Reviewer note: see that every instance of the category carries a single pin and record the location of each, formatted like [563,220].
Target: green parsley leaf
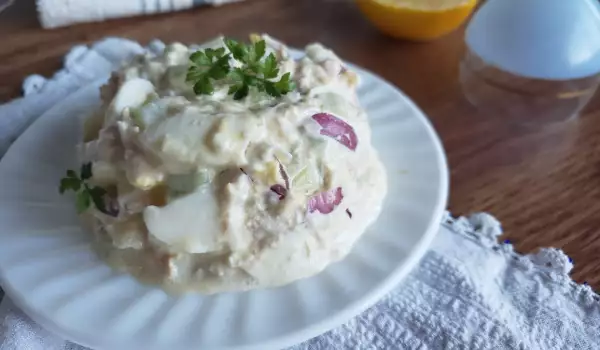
[238,50]
[251,80]
[233,89]
[220,68]
[69,183]
[210,53]
[83,201]
[84,194]
[237,75]
[270,69]
[207,65]
[215,53]
[194,73]
[284,85]
[220,52]
[203,86]
[271,89]
[241,92]
[86,171]
[97,195]
[200,58]
[256,71]
[260,47]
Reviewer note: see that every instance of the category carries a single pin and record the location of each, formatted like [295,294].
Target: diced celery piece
[187,183]
[136,116]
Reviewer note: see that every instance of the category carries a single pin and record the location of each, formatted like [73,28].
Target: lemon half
[417,19]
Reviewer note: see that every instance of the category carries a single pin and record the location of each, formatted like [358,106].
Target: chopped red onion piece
[325,202]
[337,129]
[280,190]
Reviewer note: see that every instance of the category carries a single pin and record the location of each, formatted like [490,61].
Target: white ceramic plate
[48,269]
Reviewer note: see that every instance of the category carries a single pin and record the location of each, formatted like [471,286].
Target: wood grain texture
[543,184]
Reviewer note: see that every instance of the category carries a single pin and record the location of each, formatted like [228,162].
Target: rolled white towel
[57,13]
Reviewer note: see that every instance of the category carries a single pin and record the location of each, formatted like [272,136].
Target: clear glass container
[521,99]
[534,61]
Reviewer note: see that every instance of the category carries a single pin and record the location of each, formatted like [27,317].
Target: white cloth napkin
[57,13]
[469,292]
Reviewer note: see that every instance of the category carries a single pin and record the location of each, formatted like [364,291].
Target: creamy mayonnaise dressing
[214,194]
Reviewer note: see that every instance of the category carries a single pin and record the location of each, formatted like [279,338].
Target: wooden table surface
[542,184]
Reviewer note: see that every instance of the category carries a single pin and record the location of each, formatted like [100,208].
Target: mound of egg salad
[208,193]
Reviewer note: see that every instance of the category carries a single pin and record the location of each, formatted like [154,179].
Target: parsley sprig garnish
[207,65]
[255,71]
[86,194]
